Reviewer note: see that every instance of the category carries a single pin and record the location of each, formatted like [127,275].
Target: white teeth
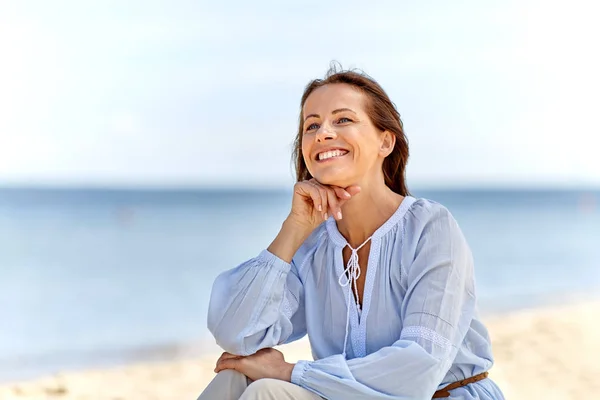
[333,153]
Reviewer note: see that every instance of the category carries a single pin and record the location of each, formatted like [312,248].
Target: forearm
[401,372]
[288,240]
[242,326]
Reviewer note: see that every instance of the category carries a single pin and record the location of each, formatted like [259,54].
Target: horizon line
[281,188]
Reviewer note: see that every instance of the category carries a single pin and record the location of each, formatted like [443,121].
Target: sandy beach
[549,353]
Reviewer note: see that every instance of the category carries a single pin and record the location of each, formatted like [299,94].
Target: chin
[333,180]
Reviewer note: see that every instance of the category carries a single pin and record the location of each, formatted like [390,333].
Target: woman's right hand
[313,202]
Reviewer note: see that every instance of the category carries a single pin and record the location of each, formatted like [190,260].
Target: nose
[325,133]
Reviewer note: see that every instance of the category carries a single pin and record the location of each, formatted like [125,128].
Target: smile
[331,154]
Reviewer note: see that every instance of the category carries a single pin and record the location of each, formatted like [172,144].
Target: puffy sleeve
[436,312]
[256,305]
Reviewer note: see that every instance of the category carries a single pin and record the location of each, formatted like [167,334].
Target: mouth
[330,155]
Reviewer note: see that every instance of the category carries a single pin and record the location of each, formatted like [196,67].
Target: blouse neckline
[340,240]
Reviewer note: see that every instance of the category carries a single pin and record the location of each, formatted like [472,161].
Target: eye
[344,120]
[312,126]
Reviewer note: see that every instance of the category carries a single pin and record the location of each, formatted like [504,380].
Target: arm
[436,314]
[259,304]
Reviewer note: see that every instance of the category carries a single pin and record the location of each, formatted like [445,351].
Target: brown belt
[445,392]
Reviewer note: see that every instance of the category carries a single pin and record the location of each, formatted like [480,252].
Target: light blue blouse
[418,330]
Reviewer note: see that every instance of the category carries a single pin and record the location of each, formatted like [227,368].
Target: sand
[549,353]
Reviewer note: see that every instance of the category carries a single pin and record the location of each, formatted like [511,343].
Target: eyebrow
[336,111]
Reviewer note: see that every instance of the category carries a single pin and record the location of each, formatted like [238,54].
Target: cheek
[304,145]
[306,158]
[367,149]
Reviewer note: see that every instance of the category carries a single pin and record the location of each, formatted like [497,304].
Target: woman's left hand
[265,363]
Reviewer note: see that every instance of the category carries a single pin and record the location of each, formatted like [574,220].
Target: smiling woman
[348,90]
[381,282]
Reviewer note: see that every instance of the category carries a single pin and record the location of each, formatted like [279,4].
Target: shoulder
[434,243]
[428,221]
[423,210]
[424,213]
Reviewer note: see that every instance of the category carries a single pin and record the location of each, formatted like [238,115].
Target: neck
[366,212]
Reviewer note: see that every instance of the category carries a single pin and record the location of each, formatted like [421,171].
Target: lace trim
[396,218]
[427,334]
[287,307]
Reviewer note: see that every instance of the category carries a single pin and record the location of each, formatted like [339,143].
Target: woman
[381,282]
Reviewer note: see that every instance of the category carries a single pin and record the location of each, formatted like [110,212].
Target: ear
[388,141]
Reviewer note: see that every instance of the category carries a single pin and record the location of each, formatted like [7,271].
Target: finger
[324,201]
[320,202]
[226,356]
[307,189]
[347,193]
[322,192]
[334,204]
[353,190]
[230,363]
[341,193]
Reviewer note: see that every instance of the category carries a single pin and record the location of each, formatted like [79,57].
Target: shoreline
[33,367]
[38,367]
[551,346]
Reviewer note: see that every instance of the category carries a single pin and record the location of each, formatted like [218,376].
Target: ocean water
[94,277]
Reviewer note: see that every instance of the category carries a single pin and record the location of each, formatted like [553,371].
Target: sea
[91,278]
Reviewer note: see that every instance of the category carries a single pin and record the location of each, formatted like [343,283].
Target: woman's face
[340,144]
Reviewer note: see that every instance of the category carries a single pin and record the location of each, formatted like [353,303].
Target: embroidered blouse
[418,329]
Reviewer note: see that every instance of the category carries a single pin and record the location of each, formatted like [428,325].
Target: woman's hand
[313,202]
[265,363]
[311,205]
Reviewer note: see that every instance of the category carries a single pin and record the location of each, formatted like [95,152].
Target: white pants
[231,385]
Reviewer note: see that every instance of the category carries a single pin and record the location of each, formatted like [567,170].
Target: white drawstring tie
[351,275]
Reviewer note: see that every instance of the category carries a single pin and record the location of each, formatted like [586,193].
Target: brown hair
[383,114]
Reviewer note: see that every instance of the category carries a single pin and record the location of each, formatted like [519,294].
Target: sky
[196,93]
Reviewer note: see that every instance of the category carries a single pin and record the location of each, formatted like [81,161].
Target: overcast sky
[207,93]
